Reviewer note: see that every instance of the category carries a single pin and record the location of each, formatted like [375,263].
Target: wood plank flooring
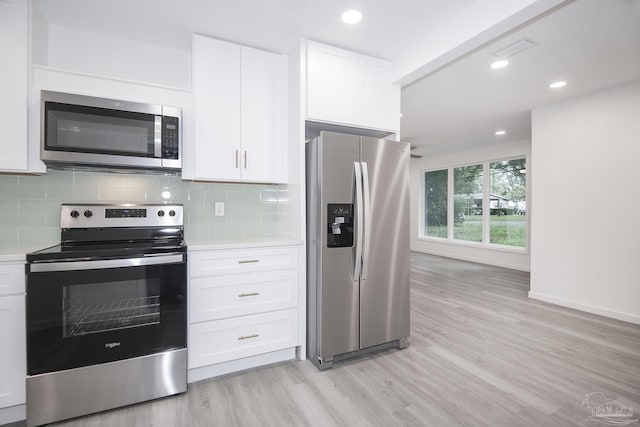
[481,354]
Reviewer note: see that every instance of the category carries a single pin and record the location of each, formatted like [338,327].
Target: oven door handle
[107,263]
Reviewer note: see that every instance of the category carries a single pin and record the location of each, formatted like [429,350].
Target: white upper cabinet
[331,84]
[239,100]
[350,89]
[216,89]
[13,85]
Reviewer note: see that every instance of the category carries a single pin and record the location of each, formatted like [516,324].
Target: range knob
[88,213]
[161,213]
[75,214]
[172,213]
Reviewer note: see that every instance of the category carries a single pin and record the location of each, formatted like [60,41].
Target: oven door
[82,313]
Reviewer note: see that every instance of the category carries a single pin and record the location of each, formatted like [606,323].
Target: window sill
[475,245]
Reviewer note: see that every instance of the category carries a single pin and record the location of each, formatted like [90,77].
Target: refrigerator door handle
[367,220]
[357,269]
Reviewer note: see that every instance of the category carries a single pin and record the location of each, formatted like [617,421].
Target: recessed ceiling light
[499,64]
[351,17]
[501,132]
[556,85]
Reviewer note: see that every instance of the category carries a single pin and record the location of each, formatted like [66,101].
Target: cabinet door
[219,297]
[241,261]
[263,144]
[13,85]
[331,84]
[228,339]
[216,93]
[13,355]
[378,97]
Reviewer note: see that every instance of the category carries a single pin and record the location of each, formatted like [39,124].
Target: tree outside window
[467,199]
[508,206]
[435,203]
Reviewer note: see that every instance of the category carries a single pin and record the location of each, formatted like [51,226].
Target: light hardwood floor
[481,354]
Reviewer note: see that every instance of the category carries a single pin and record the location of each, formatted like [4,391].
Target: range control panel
[126,215]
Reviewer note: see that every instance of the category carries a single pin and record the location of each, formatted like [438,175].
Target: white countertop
[18,254]
[240,243]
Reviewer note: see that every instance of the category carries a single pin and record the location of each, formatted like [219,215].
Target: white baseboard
[13,414]
[601,311]
[476,260]
[206,372]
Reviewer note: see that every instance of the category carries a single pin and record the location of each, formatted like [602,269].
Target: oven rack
[91,318]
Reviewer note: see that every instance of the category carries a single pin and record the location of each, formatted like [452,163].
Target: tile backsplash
[30,205]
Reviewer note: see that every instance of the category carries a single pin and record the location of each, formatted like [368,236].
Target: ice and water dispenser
[339,225]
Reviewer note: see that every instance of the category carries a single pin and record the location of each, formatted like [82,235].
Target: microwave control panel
[170,146]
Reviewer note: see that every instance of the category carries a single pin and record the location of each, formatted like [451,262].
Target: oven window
[109,306]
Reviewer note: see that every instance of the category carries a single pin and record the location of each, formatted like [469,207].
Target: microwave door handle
[157,137]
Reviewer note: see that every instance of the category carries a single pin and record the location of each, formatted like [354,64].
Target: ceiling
[591,44]
[275,25]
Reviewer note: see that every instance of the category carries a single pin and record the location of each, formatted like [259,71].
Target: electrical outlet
[219,208]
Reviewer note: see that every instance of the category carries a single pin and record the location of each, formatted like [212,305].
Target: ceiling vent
[415,156]
[515,48]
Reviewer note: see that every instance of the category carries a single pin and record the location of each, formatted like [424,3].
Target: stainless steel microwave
[83,131]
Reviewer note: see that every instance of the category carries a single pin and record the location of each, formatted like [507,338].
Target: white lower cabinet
[242,303]
[238,337]
[12,335]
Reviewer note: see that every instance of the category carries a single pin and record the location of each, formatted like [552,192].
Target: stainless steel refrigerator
[357,246]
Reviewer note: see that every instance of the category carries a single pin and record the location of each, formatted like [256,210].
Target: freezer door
[338,320]
[384,288]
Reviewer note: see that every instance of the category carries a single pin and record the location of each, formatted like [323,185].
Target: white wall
[516,259]
[585,233]
[115,57]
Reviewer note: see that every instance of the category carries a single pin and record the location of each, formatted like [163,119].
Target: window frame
[486,190]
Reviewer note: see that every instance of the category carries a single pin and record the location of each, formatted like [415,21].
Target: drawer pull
[250,294]
[248,261]
[246,337]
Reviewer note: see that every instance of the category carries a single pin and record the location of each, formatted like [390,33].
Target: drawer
[12,279]
[242,260]
[223,340]
[218,297]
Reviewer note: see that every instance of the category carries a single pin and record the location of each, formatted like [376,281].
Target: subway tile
[17,191]
[72,193]
[8,237]
[266,218]
[226,231]
[45,236]
[6,179]
[97,179]
[9,207]
[121,195]
[139,181]
[52,176]
[261,230]
[196,232]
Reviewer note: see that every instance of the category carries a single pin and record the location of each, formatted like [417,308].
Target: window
[436,203]
[488,200]
[467,203]
[508,203]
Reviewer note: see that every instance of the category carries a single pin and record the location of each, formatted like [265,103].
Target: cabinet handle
[245,159]
[250,294]
[246,337]
[248,261]
[236,159]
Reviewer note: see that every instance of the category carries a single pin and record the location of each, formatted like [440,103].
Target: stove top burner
[102,231]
